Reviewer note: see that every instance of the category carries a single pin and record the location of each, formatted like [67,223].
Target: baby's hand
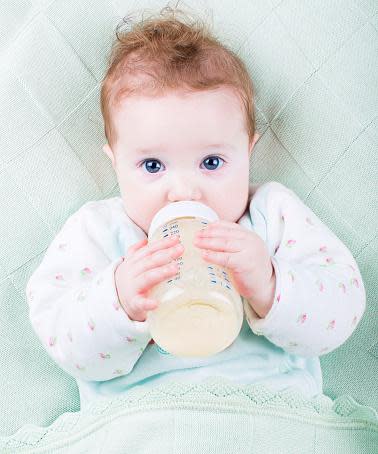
[145,265]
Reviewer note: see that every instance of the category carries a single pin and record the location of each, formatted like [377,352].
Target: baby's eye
[152,167]
[213,159]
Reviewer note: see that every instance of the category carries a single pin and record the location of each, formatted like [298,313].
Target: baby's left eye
[212,161]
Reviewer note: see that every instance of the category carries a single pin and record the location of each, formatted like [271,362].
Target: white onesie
[75,312]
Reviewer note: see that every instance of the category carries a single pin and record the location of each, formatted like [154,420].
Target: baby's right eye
[153,167]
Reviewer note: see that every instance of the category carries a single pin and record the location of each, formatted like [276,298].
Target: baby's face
[182,147]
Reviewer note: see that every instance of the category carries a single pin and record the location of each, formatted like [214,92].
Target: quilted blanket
[215,416]
[314,65]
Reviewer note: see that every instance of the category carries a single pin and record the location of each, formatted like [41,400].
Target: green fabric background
[315,69]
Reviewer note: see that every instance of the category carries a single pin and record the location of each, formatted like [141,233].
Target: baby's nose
[184,193]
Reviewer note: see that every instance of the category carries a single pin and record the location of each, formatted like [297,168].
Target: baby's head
[176,98]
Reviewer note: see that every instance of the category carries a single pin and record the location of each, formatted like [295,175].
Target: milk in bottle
[199,313]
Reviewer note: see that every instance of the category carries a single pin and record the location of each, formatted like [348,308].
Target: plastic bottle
[200,313]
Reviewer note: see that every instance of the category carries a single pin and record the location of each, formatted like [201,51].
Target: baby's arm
[73,302]
[319,297]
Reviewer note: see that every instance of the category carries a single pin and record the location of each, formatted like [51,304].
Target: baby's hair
[161,54]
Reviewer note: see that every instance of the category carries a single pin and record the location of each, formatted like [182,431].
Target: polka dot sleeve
[73,302]
[320,296]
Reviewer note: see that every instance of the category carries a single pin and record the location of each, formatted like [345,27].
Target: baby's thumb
[136,246]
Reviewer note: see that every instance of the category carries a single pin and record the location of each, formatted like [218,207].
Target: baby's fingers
[136,246]
[140,306]
[157,259]
[145,281]
[150,248]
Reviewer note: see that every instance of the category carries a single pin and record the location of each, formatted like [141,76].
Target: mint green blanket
[315,70]
[216,416]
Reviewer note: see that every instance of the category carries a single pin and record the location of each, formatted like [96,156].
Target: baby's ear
[254,140]
[108,151]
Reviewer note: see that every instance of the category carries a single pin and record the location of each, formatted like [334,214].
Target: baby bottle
[199,313]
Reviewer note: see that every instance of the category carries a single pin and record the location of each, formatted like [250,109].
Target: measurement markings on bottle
[222,280]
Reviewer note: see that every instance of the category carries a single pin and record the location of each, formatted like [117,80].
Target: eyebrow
[212,146]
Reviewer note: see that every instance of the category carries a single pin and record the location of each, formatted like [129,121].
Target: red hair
[164,53]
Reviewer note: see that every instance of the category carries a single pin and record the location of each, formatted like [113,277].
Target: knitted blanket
[215,416]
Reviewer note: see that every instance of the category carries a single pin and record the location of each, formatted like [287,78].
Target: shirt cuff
[264,326]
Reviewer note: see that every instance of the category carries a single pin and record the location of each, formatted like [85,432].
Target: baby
[179,119]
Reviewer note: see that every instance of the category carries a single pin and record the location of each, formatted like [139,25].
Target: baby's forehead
[202,117]
[180,97]
[201,108]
